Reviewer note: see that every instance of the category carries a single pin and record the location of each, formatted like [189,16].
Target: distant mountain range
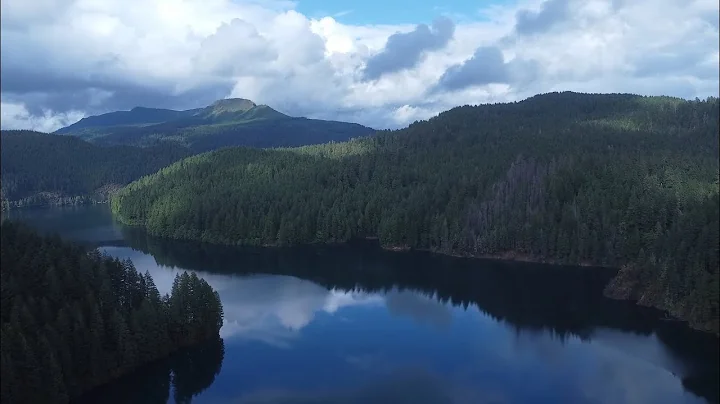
[228,122]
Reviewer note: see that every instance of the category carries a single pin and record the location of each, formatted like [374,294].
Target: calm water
[355,324]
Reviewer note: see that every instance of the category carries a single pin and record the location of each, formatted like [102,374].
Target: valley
[86,161]
[610,199]
[605,179]
[328,202]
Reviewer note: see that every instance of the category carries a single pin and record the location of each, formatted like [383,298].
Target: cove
[356,324]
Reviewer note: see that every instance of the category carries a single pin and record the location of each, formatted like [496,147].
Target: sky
[381,63]
[410,12]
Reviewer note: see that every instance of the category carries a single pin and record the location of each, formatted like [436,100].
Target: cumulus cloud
[63,59]
[484,67]
[487,66]
[550,13]
[235,49]
[404,50]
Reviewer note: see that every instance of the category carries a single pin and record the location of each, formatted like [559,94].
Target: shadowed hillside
[38,168]
[599,179]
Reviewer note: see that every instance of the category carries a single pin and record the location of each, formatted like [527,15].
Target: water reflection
[563,300]
[423,309]
[543,304]
[417,386]
[91,223]
[355,324]
[268,308]
[187,373]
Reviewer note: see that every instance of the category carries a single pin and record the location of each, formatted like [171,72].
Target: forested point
[39,168]
[73,319]
[614,180]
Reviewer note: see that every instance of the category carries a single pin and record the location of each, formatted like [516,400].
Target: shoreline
[617,288]
[508,256]
[15,205]
[48,199]
[610,292]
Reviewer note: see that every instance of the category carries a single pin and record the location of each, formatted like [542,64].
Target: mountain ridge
[151,115]
[224,123]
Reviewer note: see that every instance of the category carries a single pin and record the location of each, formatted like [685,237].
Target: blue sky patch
[371,12]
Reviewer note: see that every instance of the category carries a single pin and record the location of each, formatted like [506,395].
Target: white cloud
[16,116]
[408,113]
[65,58]
[254,50]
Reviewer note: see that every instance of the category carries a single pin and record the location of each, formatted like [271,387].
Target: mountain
[41,168]
[613,180]
[138,116]
[237,110]
[228,122]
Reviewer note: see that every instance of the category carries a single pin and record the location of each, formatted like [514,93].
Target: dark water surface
[355,324]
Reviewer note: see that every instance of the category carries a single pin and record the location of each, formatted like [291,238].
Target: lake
[356,324]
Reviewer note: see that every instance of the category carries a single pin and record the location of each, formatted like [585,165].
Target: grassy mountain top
[595,179]
[232,105]
[236,110]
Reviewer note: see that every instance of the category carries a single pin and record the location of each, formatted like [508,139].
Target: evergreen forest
[613,180]
[73,319]
[39,168]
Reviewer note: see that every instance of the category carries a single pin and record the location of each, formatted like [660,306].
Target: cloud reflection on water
[267,308]
[273,309]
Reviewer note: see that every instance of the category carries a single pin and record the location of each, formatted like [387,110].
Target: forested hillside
[72,320]
[39,168]
[617,180]
[229,122]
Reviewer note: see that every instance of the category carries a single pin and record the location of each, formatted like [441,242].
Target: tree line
[73,319]
[604,179]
